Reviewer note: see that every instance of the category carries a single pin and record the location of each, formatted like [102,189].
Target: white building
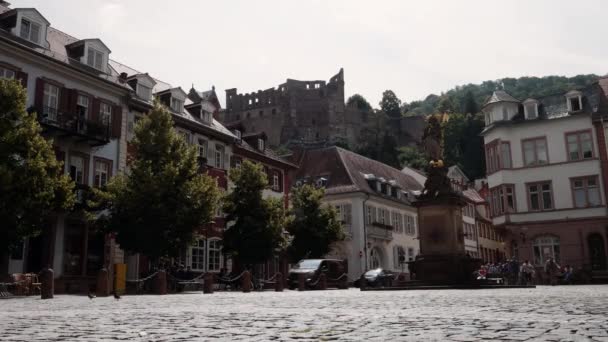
[373,200]
[545,175]
[79,100]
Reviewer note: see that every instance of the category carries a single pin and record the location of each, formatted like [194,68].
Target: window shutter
[116,121]
[39,96]
[64,100]
[280,174]
[226,161]
[72,102]
[95,107]
[22,77]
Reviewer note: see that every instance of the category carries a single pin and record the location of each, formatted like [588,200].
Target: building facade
[546,176]
[80,103]
[373,201]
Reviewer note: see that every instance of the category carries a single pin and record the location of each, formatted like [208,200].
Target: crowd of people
[513,272]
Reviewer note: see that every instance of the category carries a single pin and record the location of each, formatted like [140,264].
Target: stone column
[208,283]
[103,283]
[161,282]
[246,282]
[47,288]
[278,282]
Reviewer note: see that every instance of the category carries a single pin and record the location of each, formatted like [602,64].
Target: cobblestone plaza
[570,313]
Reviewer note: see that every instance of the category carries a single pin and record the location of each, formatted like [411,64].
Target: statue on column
[437,183]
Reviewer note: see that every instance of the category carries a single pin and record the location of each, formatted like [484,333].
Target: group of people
[513,272]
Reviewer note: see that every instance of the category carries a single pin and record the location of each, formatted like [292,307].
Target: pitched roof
[268,153]
[473,196]
[345,171]
[500,96]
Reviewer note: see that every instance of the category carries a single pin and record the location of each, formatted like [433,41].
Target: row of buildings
[544,195]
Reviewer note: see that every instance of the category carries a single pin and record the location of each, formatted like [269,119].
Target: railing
[380,233]
[72,123]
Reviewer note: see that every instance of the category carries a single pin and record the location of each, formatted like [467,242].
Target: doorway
[597,252]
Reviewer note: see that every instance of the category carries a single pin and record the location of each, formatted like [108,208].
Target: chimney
[123,77]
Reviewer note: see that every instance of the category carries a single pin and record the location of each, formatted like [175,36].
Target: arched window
[545,247]
[197,255]
[215,255]
[375,258]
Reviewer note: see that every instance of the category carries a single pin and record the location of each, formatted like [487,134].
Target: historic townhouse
[547,177]
[80,101]
[374,203]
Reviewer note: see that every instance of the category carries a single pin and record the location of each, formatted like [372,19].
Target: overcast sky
[412,47]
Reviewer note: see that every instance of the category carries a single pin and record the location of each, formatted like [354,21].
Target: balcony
[380,231]
[60,124]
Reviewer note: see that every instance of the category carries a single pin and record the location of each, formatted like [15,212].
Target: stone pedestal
[442,259]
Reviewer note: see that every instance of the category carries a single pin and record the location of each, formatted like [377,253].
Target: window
[400,257]
[397,220]
[574,104]
[50,101]
[177,105]
[144,92]
[206,116]
[276,185]
[95,59]
[30,31]
[77,169]
[215,253]
[105,113]
[540,196]
[502,200]
[411,254]
[6,73]
[382,216]
[102,173]
[531,110]
[197,252]
[505,155]
[580,145]
[202,148]
[410,225]
[546,247]
[261,144]
[219,156]
[371,214]
[535,151]
[186,136]
[344,213]
[82,107]
[586,192]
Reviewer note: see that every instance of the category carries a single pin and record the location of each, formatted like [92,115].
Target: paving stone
[569,313]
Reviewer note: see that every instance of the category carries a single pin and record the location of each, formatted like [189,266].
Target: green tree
[314,226]
[469,104]
[464,145]
[390,104]
[32,183]
[411,156]
[445,105]
[359,102]
[161,203]
[256,224]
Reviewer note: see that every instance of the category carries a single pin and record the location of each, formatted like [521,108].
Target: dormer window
[30,31]
[261,144]
[238,134]
[177,105]
[531,109]
[205,116]
[143,92]
[95,59]
[574,101]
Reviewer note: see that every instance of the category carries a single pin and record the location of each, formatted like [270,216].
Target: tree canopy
[390,104]
[161,204]
[255,231]
[314,226]
[32,181]
[359,102]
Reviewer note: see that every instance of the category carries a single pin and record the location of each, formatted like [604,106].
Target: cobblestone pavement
[571,313]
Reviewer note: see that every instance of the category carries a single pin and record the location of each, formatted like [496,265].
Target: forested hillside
[458,99]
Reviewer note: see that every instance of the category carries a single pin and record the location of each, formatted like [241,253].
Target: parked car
[334,271]
[378,277]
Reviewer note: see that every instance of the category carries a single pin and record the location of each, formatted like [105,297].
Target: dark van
[335,270]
